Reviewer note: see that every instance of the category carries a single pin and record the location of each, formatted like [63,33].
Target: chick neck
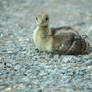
[43,27]
[44,31]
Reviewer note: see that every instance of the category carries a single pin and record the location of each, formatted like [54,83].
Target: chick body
[63,40]
[42,40]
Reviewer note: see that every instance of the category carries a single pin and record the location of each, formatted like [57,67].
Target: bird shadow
[90,50]
[52,54]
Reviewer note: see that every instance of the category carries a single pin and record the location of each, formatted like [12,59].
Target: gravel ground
[22,67]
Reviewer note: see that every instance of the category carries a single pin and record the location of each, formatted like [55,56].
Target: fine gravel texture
[22,67]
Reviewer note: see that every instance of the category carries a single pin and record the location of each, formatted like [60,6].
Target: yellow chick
[62,40]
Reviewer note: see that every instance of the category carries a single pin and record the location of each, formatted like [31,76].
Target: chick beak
[41,21]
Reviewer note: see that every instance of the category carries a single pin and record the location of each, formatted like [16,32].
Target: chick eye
[36,18]
[46,18]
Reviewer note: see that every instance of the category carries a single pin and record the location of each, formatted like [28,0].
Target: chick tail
[85,46]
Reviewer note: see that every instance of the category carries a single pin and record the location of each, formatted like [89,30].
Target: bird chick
[61,40]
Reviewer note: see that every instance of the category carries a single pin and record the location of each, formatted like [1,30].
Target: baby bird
[62,40]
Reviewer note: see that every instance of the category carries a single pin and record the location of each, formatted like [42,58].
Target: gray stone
[67,59]
[17,67]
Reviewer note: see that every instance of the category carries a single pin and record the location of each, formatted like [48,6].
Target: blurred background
[22,68]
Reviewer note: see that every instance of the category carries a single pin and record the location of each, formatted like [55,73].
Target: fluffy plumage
[61,40]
